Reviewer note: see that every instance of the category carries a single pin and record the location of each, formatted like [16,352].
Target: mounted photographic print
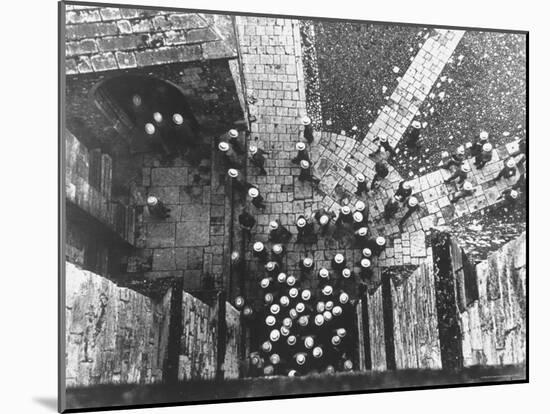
[258,206]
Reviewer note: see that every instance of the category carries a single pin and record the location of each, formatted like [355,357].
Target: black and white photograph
[260,206]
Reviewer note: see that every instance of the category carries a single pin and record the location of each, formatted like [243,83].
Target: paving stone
[193,233]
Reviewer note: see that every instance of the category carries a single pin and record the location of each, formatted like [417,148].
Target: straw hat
[327,290]
[306,294]
[365,263]
[468,186]
[284,301]
[291,281]
[270,320]
[266,346]
[253,149]
[306,120]
[309,342]
[307,262]
[329,305]
[348,365]
[300,307]
[323,273]
[258,246]
[380,241]
[383,139]
[275,359]
[346,273]
[239,301]
[319,320]
[136,100]
[274,335]
[407,185]
[300,359]
[223,146]
[253,192]
[269,266]
[268,298]
[366,252]
[301,222]
[233,173]
[460,150]
[465,168]
[247,311]
[300,146]
[157,116]
[273,225]
[324,220]
[483,135]
[304,164]
[336,340]
[511,163]
[291,340]
[235,256]
[514,194]
[360,177]
[341,332]
[275,309]
[150,128]
[152,201]
[413,202]
[345,210]
[357,217]
[339,258]
[320,307]
[337,311]
[343,298]
[303,320]
[360,206]
[177,119]
[287,322]
[285,331]
[277,248]
[362,231]
[487,147]
[293,313]
[416,124]
[293,293]
[317,352]
[233,133]
[281,277]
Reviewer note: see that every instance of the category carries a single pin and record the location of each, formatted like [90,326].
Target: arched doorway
[151,113]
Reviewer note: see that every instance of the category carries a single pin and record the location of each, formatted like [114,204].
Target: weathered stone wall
[113,335]
[416,335]
[108,38]
[494,326]
[233,342]
[198,351]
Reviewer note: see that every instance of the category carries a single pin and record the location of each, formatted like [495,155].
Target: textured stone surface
[114,335]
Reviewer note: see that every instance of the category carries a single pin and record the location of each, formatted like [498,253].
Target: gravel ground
[482,88]
[358,69]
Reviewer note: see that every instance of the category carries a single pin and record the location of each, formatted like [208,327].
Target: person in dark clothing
[508,171]
[230,156]
[460,174]
[412,136]
[257,158]
[362,187]
[404,191]
[345,216]
[391,208]
[466,191]
[510,197]
[301,155]
[278,233]
[381,172]
[413,206]
[382,144]
[232,137]
[323,218]
[477,146]
[306,265]
[185,136]
[456,159]
[308,129]
[237,180]
[305,172]
[257,199]
[157,208]
[521,183]
[305,229]
[259,251]
[361,236]
[484,156]
[376,245]
[246,221]
[365,269]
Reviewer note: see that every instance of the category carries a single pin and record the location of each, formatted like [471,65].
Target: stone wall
[113,335]
[233,342]
[108,38]
[494,326]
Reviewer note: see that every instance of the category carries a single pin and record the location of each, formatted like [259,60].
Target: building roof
[108,38]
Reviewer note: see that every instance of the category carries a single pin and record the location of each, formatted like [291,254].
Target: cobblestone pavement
[273,79]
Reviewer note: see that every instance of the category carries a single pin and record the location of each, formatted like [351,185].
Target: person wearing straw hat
[278,233]
[246,221]
[461,174]
[510,197]
[412,136]
[157,208]
[308,129]
[381,170]
[365,269]
[305,230]
[477,146]
[237,262]
[508,171]
[302,153]
[257,158]
[404,191]
[345,216]
[412,206]
[306,265]
[456,159]
[377,245]
[323,218]
[338,262]
[466,191]
[259,251]
[358,220]
[391,207]
[305,172]
[256,197]
[382,144]
[186,137]
[278,251]
[230,156]
[232,137]
[237,180]
[362,187]
[361,207]
[361,235]
[484,156]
